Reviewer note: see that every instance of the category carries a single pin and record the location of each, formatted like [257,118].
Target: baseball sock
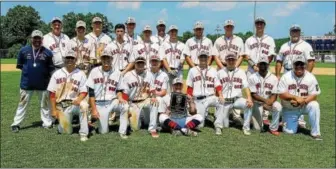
[172,124]
[193,123]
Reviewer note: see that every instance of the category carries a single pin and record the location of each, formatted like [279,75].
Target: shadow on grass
[33,125]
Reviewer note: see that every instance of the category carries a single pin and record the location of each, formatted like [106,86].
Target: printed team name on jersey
[225,47]
[83,49]
[198,78]
[143,50]
[235,79]
[170,50]
[262,45]
[294,87]
[54,46]
[111,82]
[73,81]
[116,51]
[135,84]
[294,52]
[196,46]
[267,85]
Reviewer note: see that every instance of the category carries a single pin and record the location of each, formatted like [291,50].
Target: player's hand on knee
[300,101]
[294,103]
[76,102]
[269,102]
[54,114]
[95,114]
[154,101]
[249,103]
[221,99]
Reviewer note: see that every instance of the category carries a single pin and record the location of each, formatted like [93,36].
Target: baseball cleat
[123,136]
[47,127]
[246,132]
[15,129]
[276,133]
[83,138]
[154,134]
[317,138]
[218,131]
[193,133]
[176,133]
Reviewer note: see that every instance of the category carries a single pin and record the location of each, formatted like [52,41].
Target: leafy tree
[14,50]
[280,42]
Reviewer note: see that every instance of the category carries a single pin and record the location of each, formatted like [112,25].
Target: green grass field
[37,147]
[319,65]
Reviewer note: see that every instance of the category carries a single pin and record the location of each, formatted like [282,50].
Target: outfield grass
[319,65]
[37,147]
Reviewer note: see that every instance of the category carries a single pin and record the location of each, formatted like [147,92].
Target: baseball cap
[56,19]
[228,22]
[161,22]
[295,27]
[140,59]
[80,23]
[177,80]
[97,19]
[172,27]
[300,58]
[198,24]
[147,28]
[260,19]
[106,53]
[263,60]
[70,53]
[130,20]
[37,33]
[203,53]
[155,57]
[230,55]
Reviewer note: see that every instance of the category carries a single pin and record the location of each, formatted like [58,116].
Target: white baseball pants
[144,109]
[25,96]
[222,118]
[257,115]
[65,116]
[105,108]
[291,116]
[203,104]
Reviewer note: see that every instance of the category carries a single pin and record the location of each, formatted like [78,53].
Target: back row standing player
[161,33]
[130,36]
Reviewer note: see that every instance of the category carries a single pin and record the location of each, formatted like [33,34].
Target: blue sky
[315,18]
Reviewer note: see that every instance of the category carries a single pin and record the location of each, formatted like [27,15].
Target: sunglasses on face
[69,58]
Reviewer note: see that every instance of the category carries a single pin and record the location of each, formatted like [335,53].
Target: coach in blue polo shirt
[36,64]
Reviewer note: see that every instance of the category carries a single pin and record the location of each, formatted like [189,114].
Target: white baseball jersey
[104,84]
[58,46]
[122,54]
[263,87]
[133,41]
[195,46]
[174,53]
[67,86]
[133,84]
[256,47]
[203,81]
[224,45]
[146,50]
[159,40]
[158,81]
[99,44]
[82,49]
[289,51]
[302,87]
[232,82]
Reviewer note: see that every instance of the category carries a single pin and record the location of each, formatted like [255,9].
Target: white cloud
[126,5]
[62,2]
[163,14]
[288,9]
[214,6]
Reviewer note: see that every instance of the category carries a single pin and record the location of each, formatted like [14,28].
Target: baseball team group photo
[82,86]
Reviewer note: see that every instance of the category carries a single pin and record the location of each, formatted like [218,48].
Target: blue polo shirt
[35,77]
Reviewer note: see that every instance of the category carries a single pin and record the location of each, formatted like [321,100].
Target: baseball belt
[137,101]
[202,97]
[230,100]
[173,68]
[64,103]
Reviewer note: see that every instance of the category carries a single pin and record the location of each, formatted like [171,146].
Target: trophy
[178,105]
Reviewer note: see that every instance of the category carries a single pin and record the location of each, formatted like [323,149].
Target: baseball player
[202,82]
[130,37]
[173,54]
[82,47]
[121,51]
[289,51]
[67,92]
[298,90]
[258,45]
[36,64]
[157,79]
[99,40]
[197,44]
[106,96]
[233,81]
[147,47]
[263,86]
[56,41]
[190,122]
[226,44]
[161,33]
[142,103]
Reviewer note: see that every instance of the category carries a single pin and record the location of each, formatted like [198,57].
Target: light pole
[254,17]
[217,30]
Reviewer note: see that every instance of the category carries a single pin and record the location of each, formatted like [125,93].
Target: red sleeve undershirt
[190,91]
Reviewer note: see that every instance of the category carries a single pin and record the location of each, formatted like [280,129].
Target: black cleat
[15,129]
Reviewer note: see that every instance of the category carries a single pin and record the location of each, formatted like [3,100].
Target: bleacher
[323,46]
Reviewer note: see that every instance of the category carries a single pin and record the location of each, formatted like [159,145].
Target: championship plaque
[178,105]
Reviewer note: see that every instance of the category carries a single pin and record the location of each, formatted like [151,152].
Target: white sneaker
[123,136]
[218,131]
[83,138]
[246,132]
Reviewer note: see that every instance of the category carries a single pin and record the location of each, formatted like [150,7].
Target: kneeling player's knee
[163,117]
[198,117]
[277,106]
[313,105]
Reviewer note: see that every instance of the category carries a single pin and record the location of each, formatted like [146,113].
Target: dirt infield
[316,71]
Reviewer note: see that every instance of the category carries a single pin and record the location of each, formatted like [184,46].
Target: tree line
[17,25]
